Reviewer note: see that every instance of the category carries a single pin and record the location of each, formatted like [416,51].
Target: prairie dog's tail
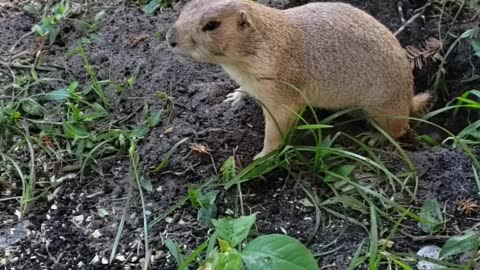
[421,103]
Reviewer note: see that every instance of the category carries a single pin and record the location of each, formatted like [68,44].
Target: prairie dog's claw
[235,96]
[371,138]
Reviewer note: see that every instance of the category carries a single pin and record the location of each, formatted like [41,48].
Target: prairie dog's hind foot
[236,96]
[372,138]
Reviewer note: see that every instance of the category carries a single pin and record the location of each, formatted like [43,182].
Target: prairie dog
[329,55]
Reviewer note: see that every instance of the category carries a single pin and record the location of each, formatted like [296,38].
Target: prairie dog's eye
[210,26]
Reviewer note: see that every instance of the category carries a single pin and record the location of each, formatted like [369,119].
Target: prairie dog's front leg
[278,119]
[236,96]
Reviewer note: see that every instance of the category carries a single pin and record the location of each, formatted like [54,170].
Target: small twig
[127,117]
[77,166]
[37,55]
[146,263]
[400,11]
[16,65]
[419,12]
[18,41]
[20,54]
[424,238]
[407,23]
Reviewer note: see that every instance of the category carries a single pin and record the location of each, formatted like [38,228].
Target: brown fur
[330,55]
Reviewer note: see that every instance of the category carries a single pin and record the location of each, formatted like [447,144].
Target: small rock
[120,258]
[305,202]
[102,212]
[95,259]
[78,219]
[96,234]
[104,260]
[432,252]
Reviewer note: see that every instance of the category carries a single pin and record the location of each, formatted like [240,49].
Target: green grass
[73,126]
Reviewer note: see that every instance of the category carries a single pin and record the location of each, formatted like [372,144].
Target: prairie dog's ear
[244,20]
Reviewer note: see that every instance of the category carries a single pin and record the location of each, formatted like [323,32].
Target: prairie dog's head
[213,31]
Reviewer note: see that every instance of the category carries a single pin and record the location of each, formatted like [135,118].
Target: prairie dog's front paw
[235,96]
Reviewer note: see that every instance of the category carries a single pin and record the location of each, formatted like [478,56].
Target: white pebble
[432,252]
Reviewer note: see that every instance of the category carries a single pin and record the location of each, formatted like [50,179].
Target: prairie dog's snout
[336,55]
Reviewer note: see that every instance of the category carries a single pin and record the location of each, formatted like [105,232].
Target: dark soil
[63,233]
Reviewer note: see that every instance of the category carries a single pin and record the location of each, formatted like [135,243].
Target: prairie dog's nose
[172,37]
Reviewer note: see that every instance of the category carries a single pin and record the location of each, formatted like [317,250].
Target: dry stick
[16,65]
[37,55]
[400,11]
[423,238]
[18,41]
[77,166]
[407,23]
[146,263]
[15,56]
[430,237]
[419,13]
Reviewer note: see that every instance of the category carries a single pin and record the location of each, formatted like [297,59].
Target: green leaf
[460,244]
[432,213]
[146,184]
[476,47]
[175,251]
[207,199]
[373,250]
[151,7]
[31,107]
[75,131]
[73,86]
[278,252]
[427,139]
[313,126]
[471,130]
[205,215]
[140,131]
[58,95]
[16,115]
[343,171]
[33,8]
[76,115]
[193,256]
[228,169]
[193,194]
[234,230]
[52,34]
[231,260]
[154,118]
[206,204]
[38,30]
[200,199]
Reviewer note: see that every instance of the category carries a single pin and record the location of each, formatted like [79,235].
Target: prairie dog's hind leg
[393,119]
[278,119]
[236,96]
